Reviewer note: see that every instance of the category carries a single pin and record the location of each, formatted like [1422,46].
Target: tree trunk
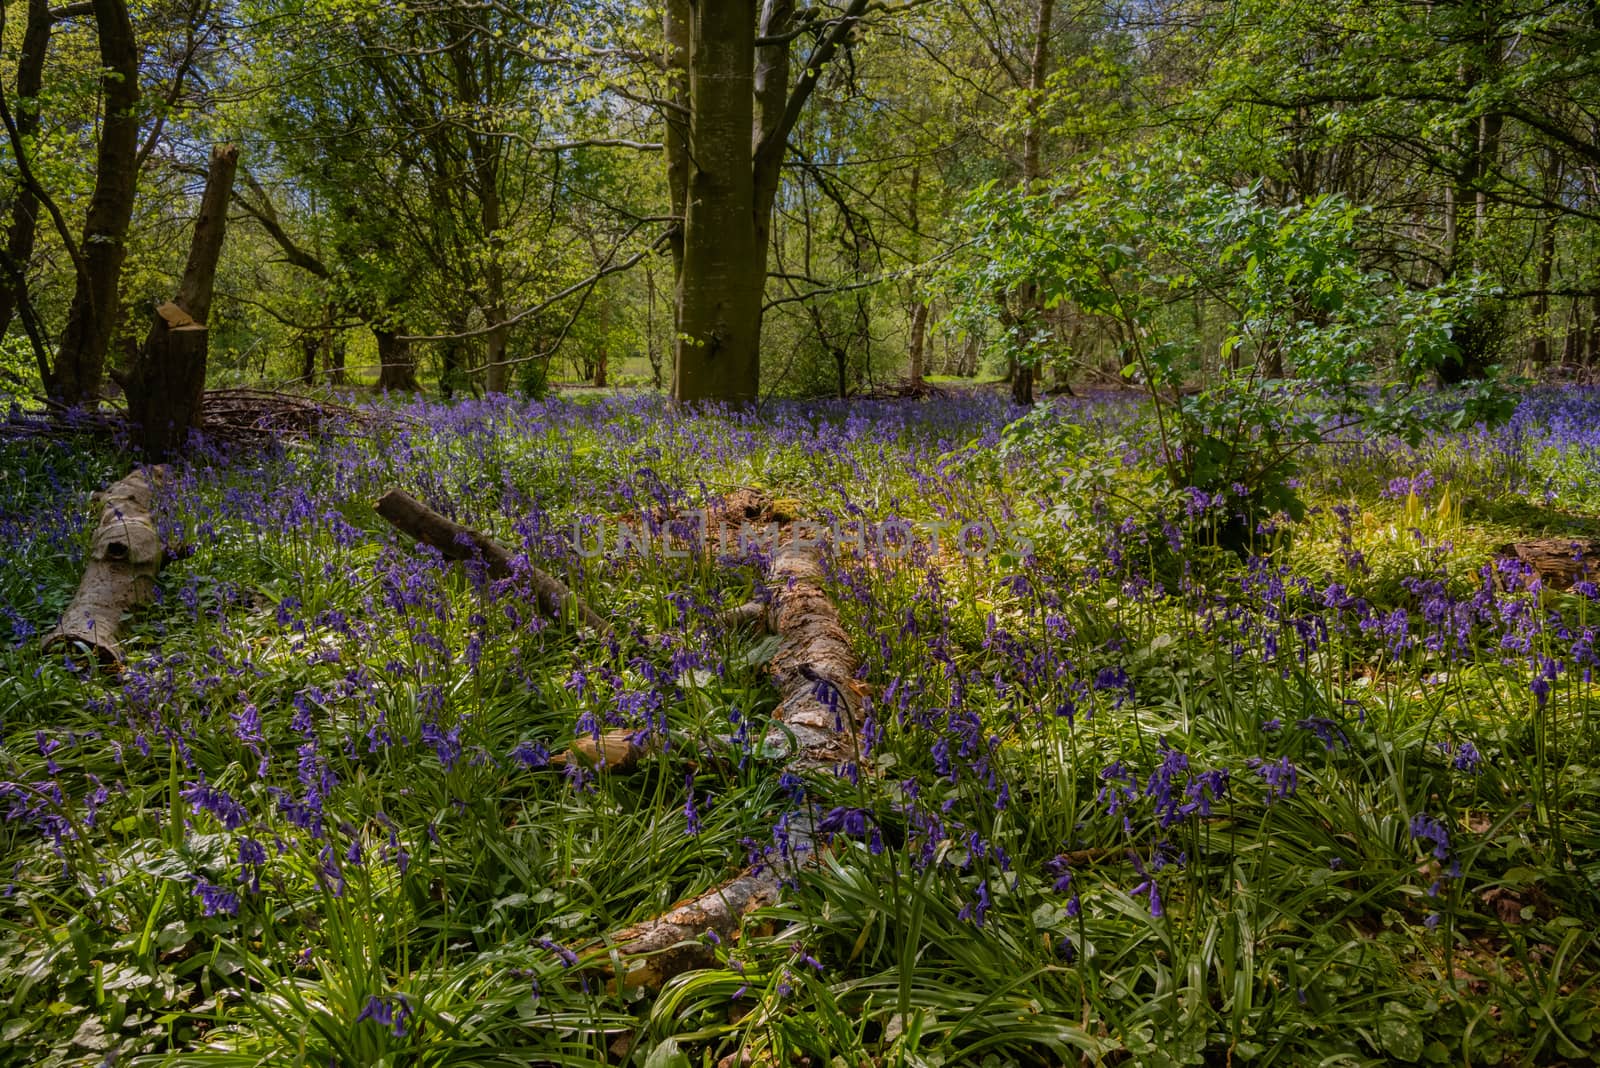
[1028,299]
[397,366]
[310,345]
[335,366]
[652,347]
[919,333]
[168,379]
[968,365]
[120,573]
[675,59]
[602,356]
[734,169]
[1541,303]
[724,270]
[81,356]
[25,206]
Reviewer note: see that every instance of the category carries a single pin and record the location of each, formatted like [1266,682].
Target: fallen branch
[815,723]
[410,516]
[120,572]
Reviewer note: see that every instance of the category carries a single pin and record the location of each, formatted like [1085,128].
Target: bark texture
[815,724]
[120,573]
[741,110]
[724,270]
[81,357]
[167,383]
[456,542]
[397,365]
[1031,311]
[1559,562]
[25,207]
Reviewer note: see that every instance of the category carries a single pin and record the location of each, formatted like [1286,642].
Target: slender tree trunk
[1541,303]
[919,334]
[602,358]
[968,365]
[310,345]
[919,308]
[498,377]
[25,206]
[81,356]
[335,367]
[397,367]
[167,383]
[652,347]
[1594,332]
[1028,299]
[675,58]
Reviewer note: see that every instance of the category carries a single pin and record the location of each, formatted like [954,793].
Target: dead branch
[410,516]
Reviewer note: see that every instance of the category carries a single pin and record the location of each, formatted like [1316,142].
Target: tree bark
[735,166]
[675,140]
[1541,303]
[397,366]
[120,573]
[25,207]
[919,334]
[81,356]
[168,379]
[335,366]
[1028,298]
[724,270]
[815,723]
[310,345]
[456,542]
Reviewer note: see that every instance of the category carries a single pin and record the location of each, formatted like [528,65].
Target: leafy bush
[1313,344]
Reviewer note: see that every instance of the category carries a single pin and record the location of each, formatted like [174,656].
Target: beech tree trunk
[733,162]
[168,379]
[81,356]
[397,365]
[724,271]
[120,573]
[919,334]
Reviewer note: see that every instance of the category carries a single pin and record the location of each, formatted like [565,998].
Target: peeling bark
[120,573]
[815,723]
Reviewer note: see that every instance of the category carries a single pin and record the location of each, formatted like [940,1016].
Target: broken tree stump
[456,542]
[166,385]
[120,572]
[815,725]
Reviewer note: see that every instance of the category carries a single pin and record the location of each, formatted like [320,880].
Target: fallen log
[120,572]
[456,542]
[1559,562]
[815,725]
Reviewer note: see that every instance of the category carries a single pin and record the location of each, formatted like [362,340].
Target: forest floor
[1118,794]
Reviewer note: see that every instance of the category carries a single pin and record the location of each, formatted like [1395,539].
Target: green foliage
[1313,345]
